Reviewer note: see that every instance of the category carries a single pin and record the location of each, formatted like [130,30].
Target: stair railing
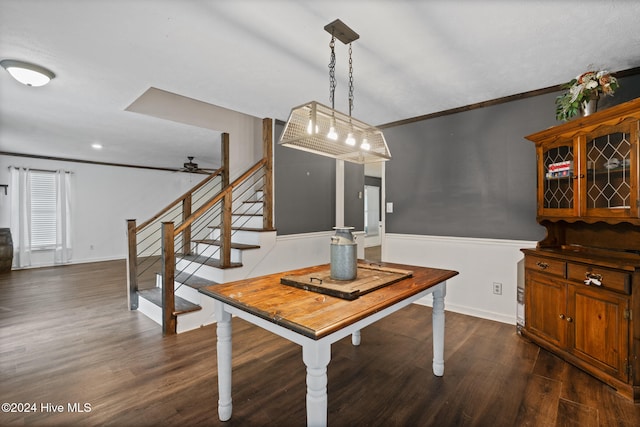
[255,185]
[145,240]
[225,195]
[216,213]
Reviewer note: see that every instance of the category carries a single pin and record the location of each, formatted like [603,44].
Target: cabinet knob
[569,319]
[542,265]
[562,316]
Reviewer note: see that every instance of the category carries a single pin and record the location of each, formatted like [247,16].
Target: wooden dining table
[315,320]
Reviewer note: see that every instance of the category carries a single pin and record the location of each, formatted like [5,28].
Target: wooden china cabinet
[582,281]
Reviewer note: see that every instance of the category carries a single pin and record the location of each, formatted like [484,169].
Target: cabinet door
[545,304]
[557,184]
[610,187]
[598,329]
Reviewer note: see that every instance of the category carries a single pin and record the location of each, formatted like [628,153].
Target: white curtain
[63,217]
[20,216]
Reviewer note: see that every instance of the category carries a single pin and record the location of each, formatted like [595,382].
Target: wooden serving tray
[369,278]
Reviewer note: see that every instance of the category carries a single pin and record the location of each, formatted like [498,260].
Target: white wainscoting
[300,250]
[480,262]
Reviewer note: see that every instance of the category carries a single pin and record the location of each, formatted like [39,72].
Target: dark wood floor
[66,337]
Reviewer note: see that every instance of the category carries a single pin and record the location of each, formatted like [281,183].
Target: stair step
[252,205]
[247,214]
[211,262]
[258,230]
[193,281]
[233,244]
[154,295]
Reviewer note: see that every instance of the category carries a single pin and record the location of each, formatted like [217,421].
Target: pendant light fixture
[26,73]
[323,130]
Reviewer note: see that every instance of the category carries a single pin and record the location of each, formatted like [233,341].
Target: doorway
[372,223]
[373,214]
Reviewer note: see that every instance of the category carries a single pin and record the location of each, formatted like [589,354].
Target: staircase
[217,232]
[203,268]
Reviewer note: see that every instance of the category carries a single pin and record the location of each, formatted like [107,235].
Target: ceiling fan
[192,167]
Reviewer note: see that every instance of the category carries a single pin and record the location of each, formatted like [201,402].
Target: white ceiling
[264,57]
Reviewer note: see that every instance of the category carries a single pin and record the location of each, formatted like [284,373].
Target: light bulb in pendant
[332,134]
[365,145]
[310,127]
[350,139]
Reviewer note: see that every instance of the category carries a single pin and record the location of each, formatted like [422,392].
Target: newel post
[168,274]
[132,266]
[225,237]
[224,154]
[186,234]
[267,150]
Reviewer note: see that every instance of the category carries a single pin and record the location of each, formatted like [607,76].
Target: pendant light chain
[332,72]
[350,81]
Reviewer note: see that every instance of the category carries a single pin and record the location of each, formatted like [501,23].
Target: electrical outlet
[497,288]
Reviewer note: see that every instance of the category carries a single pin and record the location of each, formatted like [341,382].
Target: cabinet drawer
[610,279]
[547,265]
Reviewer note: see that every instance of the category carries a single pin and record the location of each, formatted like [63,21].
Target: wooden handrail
[180,199]
[205,207]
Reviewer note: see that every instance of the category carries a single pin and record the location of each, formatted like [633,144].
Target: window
[40,208]
[43,209]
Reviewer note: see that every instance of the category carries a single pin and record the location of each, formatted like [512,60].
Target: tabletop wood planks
[314,314]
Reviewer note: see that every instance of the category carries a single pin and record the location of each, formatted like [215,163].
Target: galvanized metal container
[344,254]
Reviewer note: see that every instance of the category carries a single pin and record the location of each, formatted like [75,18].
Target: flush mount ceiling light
[27,73]
[320,129]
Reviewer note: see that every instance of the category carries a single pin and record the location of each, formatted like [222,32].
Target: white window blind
[43,209]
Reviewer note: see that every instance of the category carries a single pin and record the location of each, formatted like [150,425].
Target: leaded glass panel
[608,174]
[558,182]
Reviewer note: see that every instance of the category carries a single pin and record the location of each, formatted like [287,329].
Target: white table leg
[355,337]
[438,329]
[316,356]
[224,361]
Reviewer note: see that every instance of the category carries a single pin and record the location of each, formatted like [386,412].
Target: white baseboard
[474,312]
[72,262]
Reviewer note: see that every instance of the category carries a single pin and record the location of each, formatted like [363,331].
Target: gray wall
[305,191]
[469,174]
[473,174]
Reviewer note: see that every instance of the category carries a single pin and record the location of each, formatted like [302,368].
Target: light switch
[389,207]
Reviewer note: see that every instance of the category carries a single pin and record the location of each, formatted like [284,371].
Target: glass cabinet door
[557,192]
[608,160]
